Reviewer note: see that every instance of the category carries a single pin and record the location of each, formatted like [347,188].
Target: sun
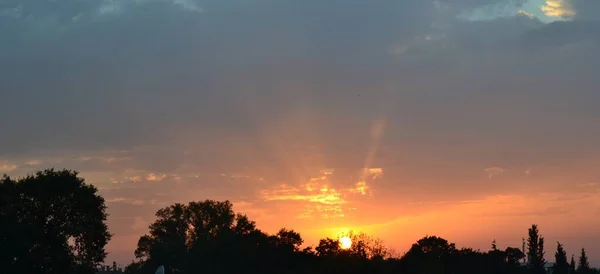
[345,242]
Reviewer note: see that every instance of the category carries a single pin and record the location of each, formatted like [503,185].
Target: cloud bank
[405,102]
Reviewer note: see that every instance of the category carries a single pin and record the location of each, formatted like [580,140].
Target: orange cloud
[134,179]
[125,201]
[34,162]
[361,186]
[324,199]
[7,167]
[156,177]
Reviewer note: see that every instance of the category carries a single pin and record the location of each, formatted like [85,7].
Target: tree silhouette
[328,247]
[514,255]
[561,265]
[583,267]
[209,236]
[430,254]
[52,222]
[535,254]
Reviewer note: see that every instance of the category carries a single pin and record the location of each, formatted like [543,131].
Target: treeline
[53,222]
[209,237]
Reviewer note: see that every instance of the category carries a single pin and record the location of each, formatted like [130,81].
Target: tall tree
[54,223]
[561,265]
[209,237]
[583,267]
[535,253]
[572,264]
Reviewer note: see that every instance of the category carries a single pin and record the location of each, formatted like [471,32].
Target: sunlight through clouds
[309,127]
[558,8]
[323,198]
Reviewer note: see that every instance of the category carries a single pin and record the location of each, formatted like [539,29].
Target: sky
[466,119]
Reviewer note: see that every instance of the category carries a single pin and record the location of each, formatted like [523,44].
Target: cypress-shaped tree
[535,254]
[561,265]
[584,265]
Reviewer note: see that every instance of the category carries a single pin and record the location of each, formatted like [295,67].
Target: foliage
[583,267]
[561,265]
[52,222]
[535,254]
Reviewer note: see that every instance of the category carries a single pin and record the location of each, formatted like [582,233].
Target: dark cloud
[586,9]
[158,75]
[159,102]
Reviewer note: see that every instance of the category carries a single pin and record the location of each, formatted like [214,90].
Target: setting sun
[345,242]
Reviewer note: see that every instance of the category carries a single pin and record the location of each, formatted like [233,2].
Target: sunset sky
[467,119]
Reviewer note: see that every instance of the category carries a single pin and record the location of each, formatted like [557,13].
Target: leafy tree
[52,222]
[513,256]
[583,266]
[535,254]
[208,236]
[430,254]
[561,265]
[328,247]
[287,239]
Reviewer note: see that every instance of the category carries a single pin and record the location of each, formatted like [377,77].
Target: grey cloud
[241,83]
[586,9]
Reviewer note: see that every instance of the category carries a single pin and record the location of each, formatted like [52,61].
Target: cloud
[134,179]
[155,177]
[124,200]
[7,167]
[588,185]
[106,159]
[586,9]
[572,9]
[321,196]
[494,171]
[361,186]
[558,8]
[34,162]
[525,13]
[272,93]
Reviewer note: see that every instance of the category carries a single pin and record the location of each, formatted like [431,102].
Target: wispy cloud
[361,186]
[34,162]
[325,200]
[155,177]
[323,195]
[525,13]
[7,167]
[494,171]
[124,200]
